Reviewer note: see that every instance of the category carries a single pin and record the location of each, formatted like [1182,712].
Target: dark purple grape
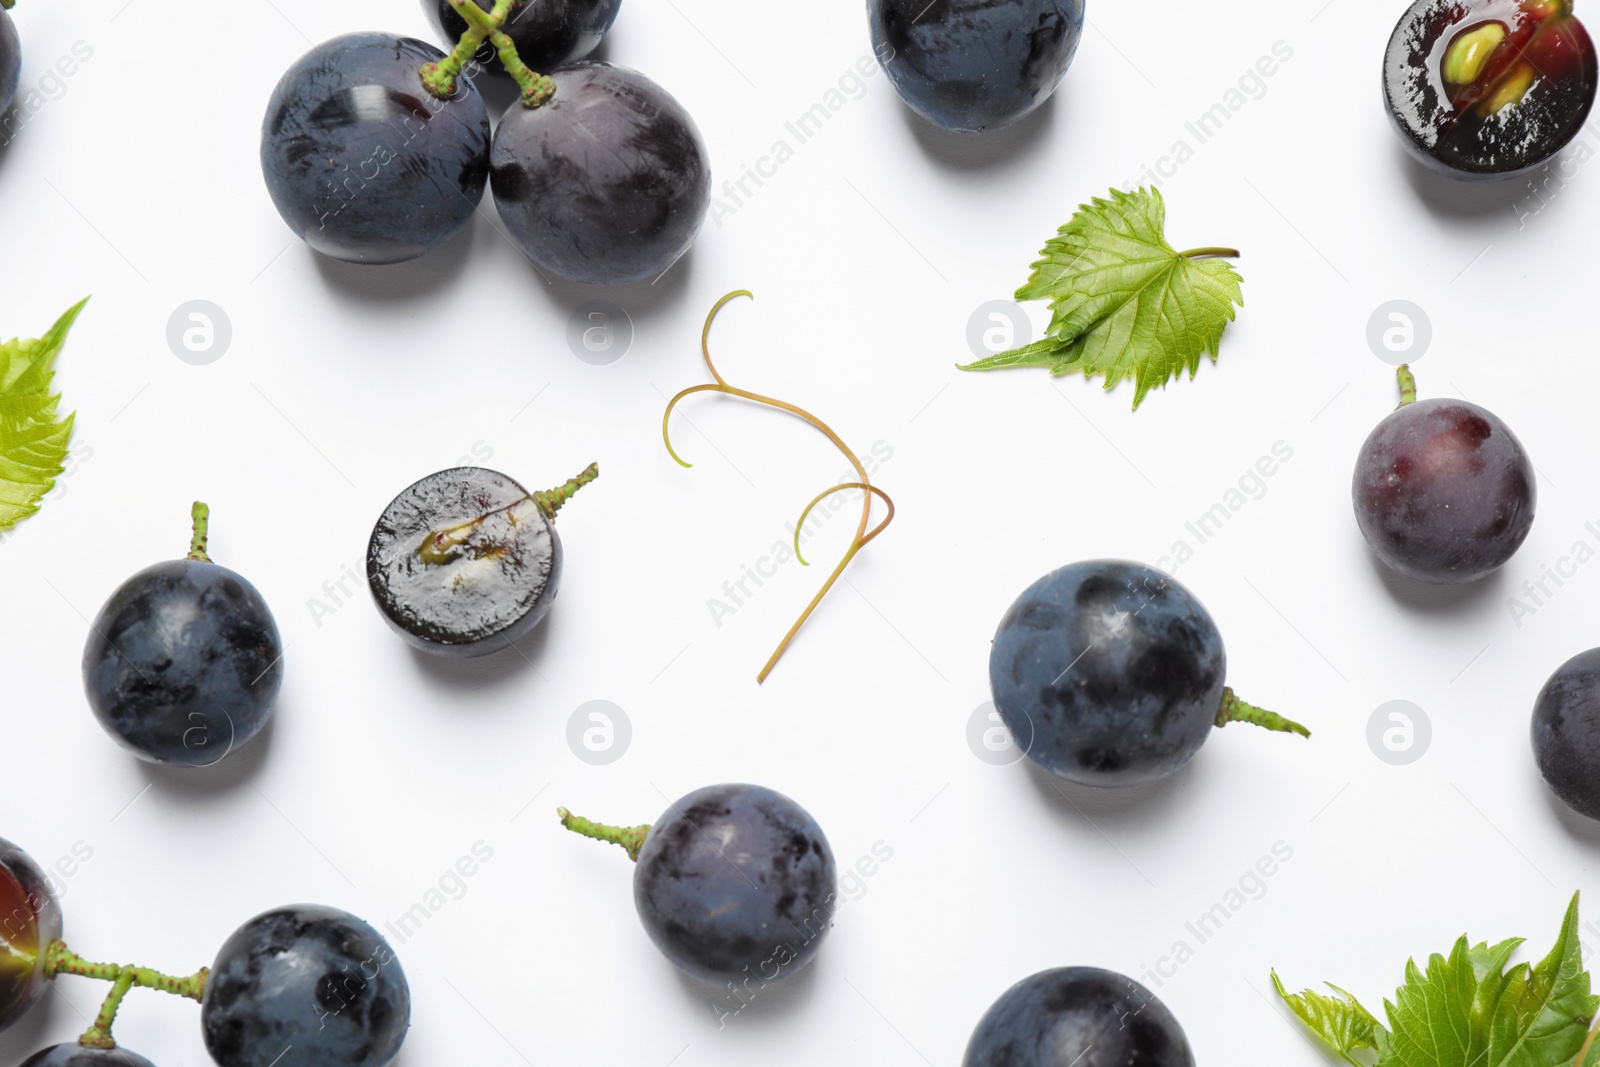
[1078,1017]
[10,60]
[1566,732]
[607,183]
[30,918]
[363,163]
[975,65]
[735,881]
[1443,491]
[547,33]
[78,1056]
[305,986]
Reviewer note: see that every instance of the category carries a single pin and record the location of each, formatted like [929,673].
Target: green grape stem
[201,516]
[123,977]
[441,546]
[439,78]
[1210,253]
[1235,710]
[550,500]
[628,838]
[1408,384]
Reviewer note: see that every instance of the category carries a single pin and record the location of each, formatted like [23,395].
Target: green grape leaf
[1468,1010]
[1124,302]
[33,441]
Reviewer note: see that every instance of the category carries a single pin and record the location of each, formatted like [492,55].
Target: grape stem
[1235,710]
[1584,1051]
[123,977]
[1210,253]
[439,77]
[628,838]
[862,535]
[442,546]
[200,515]
[1408,384]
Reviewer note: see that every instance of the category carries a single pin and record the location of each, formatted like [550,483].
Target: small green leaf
[1343,1024]
[1045,353]
[33,441]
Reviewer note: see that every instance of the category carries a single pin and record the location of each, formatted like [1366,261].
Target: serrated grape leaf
[1124,302]
[33,441]
[1468,1010]
[1340,1021]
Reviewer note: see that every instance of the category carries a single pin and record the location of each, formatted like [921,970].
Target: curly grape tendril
[862,536]
[439,77]
[123,977]
[442,546]
[628,838]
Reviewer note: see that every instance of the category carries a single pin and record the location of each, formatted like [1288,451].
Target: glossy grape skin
[362,162]
[1108,673]
[605,217]
[1566,732]
[75,1055]
[183,663]
[476,604]
[547,33]
[975,65]
[312,980]
[30,918]
[1078,1017]
[736,881]
[1443,491]
[10,60]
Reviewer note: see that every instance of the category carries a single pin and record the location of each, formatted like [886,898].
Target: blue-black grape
[1443,491]
[547,33]
[1078,1017]
[184,663]
[365,164]
[736,881]
[305,986]
[10,60]
[975,65]
[75,1055]
[606,183]
[1566,732]
[30,918]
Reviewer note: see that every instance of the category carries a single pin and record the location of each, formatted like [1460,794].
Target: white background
[867,252]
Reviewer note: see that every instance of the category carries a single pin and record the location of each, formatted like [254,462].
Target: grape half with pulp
[975,65]
[30,918]
[1443,490]
[10,60]
[1111,673]
[547,33]
[1078,1017]
[79,1056]
[605,183]
[363,163]
[305,986]
[1566,732]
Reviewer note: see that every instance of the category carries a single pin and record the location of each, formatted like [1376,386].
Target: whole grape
[975,64]
[547,33]
[1078,1017]
[1443,491]
[10,60]
[1566,732]
[305,986]
[362,162]
[607,183]
[76,1055]
[735,881]
[30,918]
[184,663]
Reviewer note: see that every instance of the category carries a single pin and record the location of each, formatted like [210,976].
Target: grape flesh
[1566,732]
[1078,1017]
[606,183]
[361,161]
[305,986]
[1443,491]
[10,60]
[548,33]
[30,918]
[974,65]
[77,1056]
[1108,673]
[734,882]
[184,663]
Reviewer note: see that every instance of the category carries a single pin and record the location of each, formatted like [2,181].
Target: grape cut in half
[1483,89]
[1566,733]
[1078,1017]
[548,33]
[30,918]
